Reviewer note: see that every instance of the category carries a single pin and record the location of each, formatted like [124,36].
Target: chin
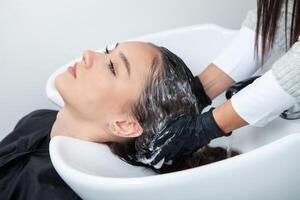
[63,85]
[59,82]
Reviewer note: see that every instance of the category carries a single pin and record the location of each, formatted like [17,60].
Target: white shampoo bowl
[267,169]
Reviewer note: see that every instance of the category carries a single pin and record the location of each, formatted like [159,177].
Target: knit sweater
[286,69]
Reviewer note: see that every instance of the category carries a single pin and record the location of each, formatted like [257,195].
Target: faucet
[291,113]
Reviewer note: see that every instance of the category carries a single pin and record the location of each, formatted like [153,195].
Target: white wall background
[37,37]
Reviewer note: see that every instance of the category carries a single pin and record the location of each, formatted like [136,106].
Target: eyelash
[111,64]
[106,50]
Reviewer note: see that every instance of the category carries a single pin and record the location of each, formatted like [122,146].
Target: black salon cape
[26,171]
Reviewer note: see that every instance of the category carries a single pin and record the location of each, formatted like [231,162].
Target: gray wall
[36,37]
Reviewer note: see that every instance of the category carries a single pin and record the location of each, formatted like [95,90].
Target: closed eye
[111,65]
[112,68]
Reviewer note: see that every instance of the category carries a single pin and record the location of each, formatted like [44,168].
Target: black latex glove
[235,88]
[183,136]
[186,134]
[202,97]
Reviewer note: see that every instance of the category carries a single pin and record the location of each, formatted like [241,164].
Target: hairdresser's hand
[202,97]
[184,136]
[235,88]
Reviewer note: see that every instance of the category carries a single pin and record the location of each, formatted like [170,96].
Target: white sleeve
[237,59]
[262,101]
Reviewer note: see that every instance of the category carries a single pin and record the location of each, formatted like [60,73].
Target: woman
[123,97]
[274,27]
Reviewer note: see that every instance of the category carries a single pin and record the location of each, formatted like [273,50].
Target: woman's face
[107,84]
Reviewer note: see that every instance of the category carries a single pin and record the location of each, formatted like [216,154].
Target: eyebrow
[126,62]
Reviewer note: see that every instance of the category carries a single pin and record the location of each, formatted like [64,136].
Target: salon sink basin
[268,167]
[266,170]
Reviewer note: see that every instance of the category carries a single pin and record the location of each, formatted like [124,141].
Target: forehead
[141,57]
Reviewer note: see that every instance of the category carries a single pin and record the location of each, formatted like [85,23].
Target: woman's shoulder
[40,117]
[32,127]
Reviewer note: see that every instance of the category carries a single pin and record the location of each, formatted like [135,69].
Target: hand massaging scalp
[188,93]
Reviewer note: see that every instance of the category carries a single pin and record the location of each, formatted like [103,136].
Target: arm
[235,63]
[215,81]
[275,91]
[263,100]
[259,103]
[227,118]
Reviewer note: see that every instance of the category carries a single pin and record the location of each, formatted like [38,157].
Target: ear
[127,128]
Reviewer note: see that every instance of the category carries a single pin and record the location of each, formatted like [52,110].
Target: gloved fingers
[183,132]
[168,133]
[157,158]
[235,88]
[200,93]
[167,153]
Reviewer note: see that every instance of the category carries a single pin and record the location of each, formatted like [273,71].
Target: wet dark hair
[269,13]
[169,92]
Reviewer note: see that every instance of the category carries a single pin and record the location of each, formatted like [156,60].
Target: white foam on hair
[148,161]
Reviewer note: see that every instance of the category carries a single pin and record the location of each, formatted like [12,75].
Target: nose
[88,58]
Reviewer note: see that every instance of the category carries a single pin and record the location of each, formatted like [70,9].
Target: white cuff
[237,59]
[262,101]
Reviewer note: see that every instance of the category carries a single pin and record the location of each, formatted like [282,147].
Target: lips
[72,70]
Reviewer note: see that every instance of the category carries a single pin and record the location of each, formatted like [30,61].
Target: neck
[70,124]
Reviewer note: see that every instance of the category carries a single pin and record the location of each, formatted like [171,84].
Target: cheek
[99,93]
[114,98]
[99,89]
